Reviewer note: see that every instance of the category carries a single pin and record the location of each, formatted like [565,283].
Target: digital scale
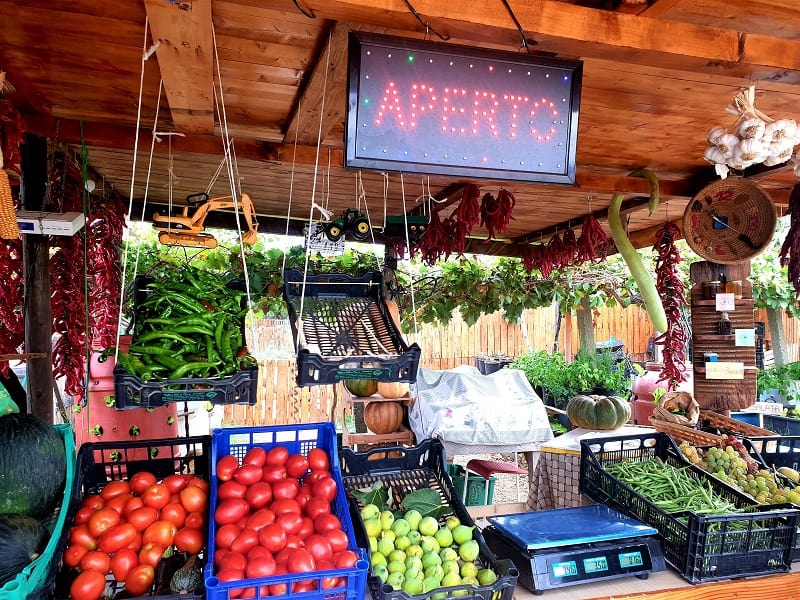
[568,546]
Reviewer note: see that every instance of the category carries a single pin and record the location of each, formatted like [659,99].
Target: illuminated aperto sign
[435,108]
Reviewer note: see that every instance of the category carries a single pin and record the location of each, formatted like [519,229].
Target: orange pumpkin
[383,417]
[392,389]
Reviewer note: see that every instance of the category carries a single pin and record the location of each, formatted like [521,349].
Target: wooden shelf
[715,337]
[401,437]
[740,303]
[747,369]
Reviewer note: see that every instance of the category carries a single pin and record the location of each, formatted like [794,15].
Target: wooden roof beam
[574,31]
[182,32]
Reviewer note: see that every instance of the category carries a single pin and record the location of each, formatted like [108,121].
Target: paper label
[745,337]
[724,370]
[317,241]
[725,302]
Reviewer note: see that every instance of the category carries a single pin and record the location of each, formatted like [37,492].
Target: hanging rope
[408,245]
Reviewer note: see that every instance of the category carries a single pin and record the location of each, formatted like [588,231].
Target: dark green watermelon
[22,540]
[33,466]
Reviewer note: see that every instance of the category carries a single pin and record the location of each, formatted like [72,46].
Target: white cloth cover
[462,405]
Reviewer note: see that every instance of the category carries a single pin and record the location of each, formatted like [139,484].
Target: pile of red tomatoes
[274,517]
[126,528]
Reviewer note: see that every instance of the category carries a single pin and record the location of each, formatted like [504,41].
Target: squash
[383,417]
[392,389]
[598,412]
[22,539]
[33,466]
[361,388]
[187,579]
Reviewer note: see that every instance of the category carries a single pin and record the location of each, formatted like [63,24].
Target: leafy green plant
[782,379]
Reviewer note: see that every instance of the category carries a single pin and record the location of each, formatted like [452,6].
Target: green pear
[486,576]
[428,526]
[396,581]
[412,586]
[396,566]
[370,511]
[468,551]
[444,537]
[452,522]
[387,519]
[462,533]
[413,517]
[447,554]
[398,555]
[401,527]
[381,572]
[469,569]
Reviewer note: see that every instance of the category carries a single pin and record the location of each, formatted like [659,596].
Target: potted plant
[781,385]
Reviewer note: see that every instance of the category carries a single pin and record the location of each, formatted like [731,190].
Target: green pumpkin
[598,412]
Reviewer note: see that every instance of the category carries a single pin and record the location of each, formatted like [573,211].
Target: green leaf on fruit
[377,494]
[427,502]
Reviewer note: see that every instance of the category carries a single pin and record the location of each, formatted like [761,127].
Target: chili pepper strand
[469,211]
[790,249]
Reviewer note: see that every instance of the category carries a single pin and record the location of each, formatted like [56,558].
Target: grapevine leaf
[427,502]
[376,494]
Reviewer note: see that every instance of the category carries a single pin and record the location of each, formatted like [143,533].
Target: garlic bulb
[714,155]
[752,128]
[714,133]
[780,152]
[727,144]
[750,150]
[722,170]
[780,130]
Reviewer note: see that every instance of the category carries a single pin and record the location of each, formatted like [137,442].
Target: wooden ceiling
[657,74]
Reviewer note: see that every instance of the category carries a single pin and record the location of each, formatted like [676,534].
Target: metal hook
[519,26]
[425,23]
[307,12]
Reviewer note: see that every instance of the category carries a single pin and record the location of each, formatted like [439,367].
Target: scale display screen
[630,559]
[596,564]
[565,569]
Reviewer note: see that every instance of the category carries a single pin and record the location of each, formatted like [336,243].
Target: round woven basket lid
[729,221]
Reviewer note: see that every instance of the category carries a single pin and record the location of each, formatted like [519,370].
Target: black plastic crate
[407,469]
[700,547]
[102,462]
[347,331]
[784,426]
[131,392]
[777,452]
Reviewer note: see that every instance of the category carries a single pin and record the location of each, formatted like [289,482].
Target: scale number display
[565,569]
[630,559]
[595,564]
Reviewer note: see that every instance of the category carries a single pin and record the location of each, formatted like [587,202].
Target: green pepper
[155,335]
[191,367]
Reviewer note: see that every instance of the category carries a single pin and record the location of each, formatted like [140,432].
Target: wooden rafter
[183,33]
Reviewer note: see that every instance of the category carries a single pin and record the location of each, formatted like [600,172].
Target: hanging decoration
[754,138]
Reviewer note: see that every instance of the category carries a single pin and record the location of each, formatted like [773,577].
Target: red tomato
[136,544]
[73,555]
[279,589]
[122,562]
[115,488]
[247,474]
[306,528]
[231,489]
[189,540]
[290,522]
[140,579]
[225,575]
[293,542]
[79,534]
[296,466]
[317,506]
[319,547]
[303,496]
[300,561]
[160,532]
[194,498]
[259,494]
[260,519]
[174,513]
[226,466]
[175,483]
[260,567]
[117,537]
[255,456]
[195,520]
[88,585]
[277,455]
[346,559]
[315,476]
[225,535]
[151,553]
[102,519]
[272,537]
[258,552]
[273,473]
[337,539]
[245,541]
[284,505]
[325,488]
[306,585]
[141,481]
[232,560]
[131,505]
[282,557]
[94,560]
[157,496]
[94,502]
[143,517]
[326,522]
[328,582]
[119,502]
[199,482]
[231,510]
[318,460]
[285,488]
[83,514]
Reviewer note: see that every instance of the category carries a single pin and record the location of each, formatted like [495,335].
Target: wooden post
[36,262]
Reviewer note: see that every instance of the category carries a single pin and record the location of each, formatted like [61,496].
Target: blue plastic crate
[297,439]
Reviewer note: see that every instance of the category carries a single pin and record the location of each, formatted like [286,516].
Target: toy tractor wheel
[333,231]
[360,228]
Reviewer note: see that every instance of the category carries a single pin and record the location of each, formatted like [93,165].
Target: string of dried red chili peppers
[671,289]
[790,249]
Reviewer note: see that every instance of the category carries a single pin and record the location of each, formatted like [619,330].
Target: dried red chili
[496,212]
[469,211]
[790,249]
[593,241]
[433,244]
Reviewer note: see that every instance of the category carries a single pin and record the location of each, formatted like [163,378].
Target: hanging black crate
[347,331]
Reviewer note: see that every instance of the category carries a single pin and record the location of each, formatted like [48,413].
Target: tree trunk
[586,326]
[777,335]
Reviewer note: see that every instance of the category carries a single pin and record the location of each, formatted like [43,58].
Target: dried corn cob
[8,218]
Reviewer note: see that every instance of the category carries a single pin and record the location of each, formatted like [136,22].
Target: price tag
[745,337]
[725,302]
[317,241]
[724,370]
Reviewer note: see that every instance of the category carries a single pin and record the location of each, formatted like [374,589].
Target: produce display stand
[100,463]
[36,581]
[363,441]
[406,470]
